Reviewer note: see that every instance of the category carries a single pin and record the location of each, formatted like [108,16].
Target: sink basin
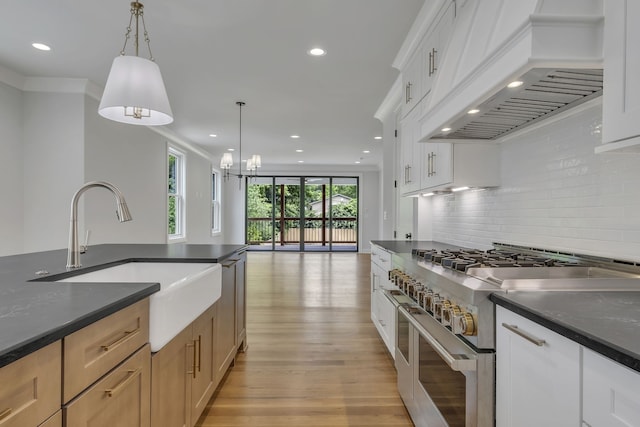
[186,291]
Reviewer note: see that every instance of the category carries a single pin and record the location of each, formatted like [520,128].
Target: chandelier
[253,163]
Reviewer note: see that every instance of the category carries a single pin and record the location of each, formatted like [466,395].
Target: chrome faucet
[122,212]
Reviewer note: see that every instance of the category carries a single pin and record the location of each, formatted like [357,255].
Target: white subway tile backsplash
[555,193]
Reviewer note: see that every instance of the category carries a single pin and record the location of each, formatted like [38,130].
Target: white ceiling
[215,52]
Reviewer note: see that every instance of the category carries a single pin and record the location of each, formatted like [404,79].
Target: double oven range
[445,326]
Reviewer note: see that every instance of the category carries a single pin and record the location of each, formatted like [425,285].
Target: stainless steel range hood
[554,48]
[543,93]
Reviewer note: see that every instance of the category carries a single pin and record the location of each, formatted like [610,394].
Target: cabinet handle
[4,414]
[407,93]
[131,374]
[429,164]
[433,62]
[199,352]
[433,163]
[526,336]
[230,264]
[430,63]
[409,174]
[120,340]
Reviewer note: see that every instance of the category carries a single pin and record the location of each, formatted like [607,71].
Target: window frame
[180,187]
[216,205]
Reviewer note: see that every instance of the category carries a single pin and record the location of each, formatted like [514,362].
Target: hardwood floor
[314,356]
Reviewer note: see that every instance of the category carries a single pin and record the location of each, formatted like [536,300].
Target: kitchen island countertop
[36,311]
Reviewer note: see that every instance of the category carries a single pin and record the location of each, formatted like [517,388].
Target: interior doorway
[302,213]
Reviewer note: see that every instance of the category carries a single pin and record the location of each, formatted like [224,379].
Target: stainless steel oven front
[442,380]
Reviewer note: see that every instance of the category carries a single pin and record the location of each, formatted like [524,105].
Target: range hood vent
[553,47]
[544,92]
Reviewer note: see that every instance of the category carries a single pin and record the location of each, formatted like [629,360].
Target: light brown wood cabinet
[54,421]
[94,350]
[183,375]
[120,398]
[30,388]
[106,371]
[231,312]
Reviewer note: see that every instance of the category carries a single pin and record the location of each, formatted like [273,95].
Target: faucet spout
[122,212]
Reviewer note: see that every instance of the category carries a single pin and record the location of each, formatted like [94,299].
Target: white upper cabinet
[412,83]
[621,97]
[410,155]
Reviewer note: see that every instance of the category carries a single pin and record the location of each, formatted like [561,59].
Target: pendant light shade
[226,162]
[135,93]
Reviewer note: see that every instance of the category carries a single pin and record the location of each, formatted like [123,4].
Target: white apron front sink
[186,291]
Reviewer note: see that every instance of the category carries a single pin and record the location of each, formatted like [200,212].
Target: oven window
[403,335]
[445,387]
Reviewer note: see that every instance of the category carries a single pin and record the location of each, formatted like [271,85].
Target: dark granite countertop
[34,314]
[405,246]
[605,322]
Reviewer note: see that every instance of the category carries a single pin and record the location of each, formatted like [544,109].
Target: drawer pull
[4,414]
[199,352]
[131,375]
[120,340]
[517,331]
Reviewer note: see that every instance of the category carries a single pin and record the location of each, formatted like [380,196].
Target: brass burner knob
[450,314]
[465,324]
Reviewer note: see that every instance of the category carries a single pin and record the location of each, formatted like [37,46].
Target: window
[176,200]
[215,203]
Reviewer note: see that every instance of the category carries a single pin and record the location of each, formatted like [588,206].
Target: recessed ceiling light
[213,135]
[316,51]
[377,137]
[300,161]
[299,151]
[40,46]
[366,151]
[357,161]
[446,129]
[231,149]
[295,136]
[473,111]
[516,83]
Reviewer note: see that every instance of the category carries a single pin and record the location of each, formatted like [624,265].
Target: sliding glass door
[302,213]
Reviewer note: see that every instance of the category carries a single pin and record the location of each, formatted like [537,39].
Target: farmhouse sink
[186,291]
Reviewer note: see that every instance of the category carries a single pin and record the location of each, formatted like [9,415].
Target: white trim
[181,187]
[390,102]
[11,78]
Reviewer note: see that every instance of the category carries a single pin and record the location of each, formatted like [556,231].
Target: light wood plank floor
[314,357]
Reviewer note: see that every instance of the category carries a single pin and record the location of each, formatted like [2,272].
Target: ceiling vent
[544,92]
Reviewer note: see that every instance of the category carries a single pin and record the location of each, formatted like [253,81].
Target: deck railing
[287,230]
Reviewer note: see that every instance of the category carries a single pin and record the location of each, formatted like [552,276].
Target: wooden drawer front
[30,388]
[54,421]
[121,398]
[94,350]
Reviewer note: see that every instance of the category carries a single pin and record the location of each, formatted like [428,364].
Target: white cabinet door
[611,393]
[537,384]
[411,153]
[621,99]
[412,81]
[438,167]
[434,46]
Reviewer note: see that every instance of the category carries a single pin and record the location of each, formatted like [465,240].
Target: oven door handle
[457,362]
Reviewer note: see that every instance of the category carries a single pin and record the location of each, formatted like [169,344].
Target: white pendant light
[253,163]
[135,92]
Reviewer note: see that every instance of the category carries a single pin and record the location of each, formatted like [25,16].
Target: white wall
[133,158]
[54,142]
[53,157]
[555,193]
[11,172]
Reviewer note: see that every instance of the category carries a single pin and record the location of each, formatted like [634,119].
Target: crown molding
[391,101]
